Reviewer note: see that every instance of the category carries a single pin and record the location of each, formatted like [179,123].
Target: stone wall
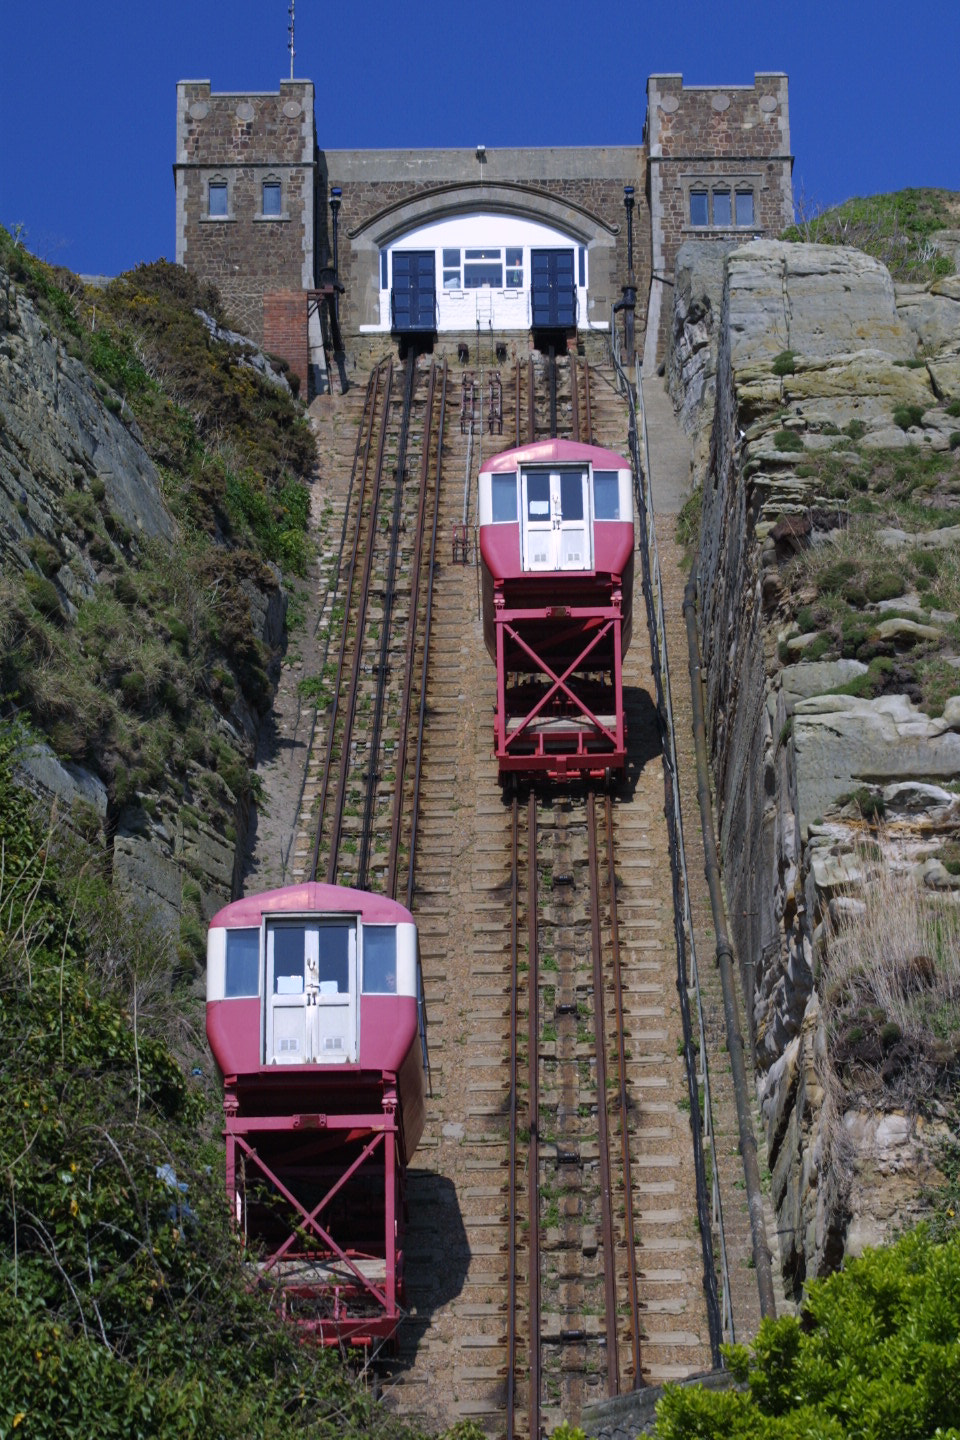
[788,748]
[580,191]
[696,135]
[242,141]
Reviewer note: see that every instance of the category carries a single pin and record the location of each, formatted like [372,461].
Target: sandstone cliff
[139,613]
[825,402]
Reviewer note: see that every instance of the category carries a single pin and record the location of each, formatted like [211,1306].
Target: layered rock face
[821,370]
[67,442]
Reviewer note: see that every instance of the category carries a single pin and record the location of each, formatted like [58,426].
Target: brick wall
[241,141]
[285,331]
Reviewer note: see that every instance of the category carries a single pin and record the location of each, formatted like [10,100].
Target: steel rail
[533,1103]
[512,1182]
[606,1196]
[358,643]
[552,390]
[371,405]
[332,587]
[386,622]
[516,408]
[422,712]
[623,1099]
[400,767]
[588,438]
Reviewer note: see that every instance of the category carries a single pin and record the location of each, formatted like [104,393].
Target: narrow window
[334,968]
[271,197]
[571,494]
[451,269]
[744,207]
[606,495]
[699,214]
[217,198]
[721,208]
[503,497]
[383,270]
[582,253]
[514,257]
[243,963]
[379,960]
[288,959]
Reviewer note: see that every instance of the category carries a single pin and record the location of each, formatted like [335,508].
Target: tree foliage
[125,1309]
[874,1355]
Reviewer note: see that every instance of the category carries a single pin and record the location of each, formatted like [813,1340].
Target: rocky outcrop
[80,503]
[820,365]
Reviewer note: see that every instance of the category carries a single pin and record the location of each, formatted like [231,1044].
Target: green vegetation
[894,228]
[873,1355]
[908,416]
[785,363]
[131,675]
[124,1308]
[788,440]
[688,520]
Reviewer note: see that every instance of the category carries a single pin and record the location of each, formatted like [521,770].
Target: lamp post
[629,301]
[335,199]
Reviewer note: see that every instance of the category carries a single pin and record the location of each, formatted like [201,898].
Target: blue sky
[87,91]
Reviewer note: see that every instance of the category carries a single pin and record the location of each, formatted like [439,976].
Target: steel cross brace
[559,683]
[310,1219]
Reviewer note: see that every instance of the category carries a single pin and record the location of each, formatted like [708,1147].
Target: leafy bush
[788,440]
[785,363]
[908,417]
[124,1307]
[873,1355]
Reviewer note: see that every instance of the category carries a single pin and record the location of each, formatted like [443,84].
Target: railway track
[552,1250]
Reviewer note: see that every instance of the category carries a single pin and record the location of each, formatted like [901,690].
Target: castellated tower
[719,168]
[245,178]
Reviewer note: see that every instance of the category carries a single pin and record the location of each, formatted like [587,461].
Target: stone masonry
[240,142]
[696,136]
[706,138]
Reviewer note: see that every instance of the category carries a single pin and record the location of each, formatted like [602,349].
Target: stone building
[436,243]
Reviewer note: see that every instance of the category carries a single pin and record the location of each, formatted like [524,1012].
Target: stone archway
[405,214]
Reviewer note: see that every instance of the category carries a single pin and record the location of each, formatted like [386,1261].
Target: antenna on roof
[290,28]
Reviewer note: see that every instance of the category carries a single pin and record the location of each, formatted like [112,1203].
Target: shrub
[785,363]
[954,439]
[885,585]
[43,595]
[908,417]
[953,409]
[788,440]
[855,429]
[871,1355]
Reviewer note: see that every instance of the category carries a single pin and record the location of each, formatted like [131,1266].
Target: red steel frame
[584,748]
[309,1240]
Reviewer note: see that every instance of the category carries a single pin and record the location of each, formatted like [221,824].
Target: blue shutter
[414,290]
[553,291]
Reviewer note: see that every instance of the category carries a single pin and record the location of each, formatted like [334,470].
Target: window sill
[272,219]
[714,230]
[217,219]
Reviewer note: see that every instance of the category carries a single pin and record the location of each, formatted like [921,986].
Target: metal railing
[719,1308]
